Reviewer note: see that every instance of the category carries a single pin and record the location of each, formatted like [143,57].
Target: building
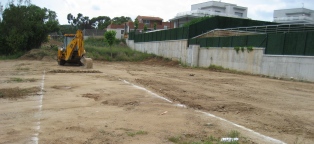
[147,21]
[296,15]
[118,28]
[210,8]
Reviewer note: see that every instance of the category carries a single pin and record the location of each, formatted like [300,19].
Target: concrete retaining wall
[228,58]
[298,67]
[255,62]
[175,50]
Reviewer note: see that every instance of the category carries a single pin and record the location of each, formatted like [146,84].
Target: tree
[145,28]
[155,26]
[102,22]
[135,25]
[110,37]
[79,22]
[120,20]
[24,28]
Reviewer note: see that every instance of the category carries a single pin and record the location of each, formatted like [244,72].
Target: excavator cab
[73,51]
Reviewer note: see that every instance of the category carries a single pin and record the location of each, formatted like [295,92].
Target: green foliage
[233,134]
[117,53]
[8,57]
[145,28]
[67,29]
[95,42]
[132,134]
[97,50]
[110,37]
[155,26]
[242,49]
[249,49]
[25,27]
[135,25]
[237,49]
[103,22]
[194,21]
[121,20]
[206,140]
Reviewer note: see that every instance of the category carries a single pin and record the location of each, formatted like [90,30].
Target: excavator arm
[74,51]
[77,44]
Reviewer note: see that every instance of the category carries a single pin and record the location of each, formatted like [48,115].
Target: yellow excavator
[73,51]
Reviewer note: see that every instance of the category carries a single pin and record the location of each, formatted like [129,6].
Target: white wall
[298,67]
[175,50]
[228,58]
[255,62]
[118,33]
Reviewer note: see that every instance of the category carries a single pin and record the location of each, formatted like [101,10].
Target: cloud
[166,9]
[94,7]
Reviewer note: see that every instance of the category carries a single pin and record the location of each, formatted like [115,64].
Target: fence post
[247,40]
[304,53]
[283,46]
[266,47]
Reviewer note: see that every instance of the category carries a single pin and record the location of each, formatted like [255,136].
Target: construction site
[154,101]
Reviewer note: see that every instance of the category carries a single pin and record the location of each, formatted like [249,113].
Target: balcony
[201,13]
[294,19]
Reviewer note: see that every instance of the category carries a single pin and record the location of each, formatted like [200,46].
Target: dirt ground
[156,102]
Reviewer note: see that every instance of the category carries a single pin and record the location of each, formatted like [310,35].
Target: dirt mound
[40,54]
[74,71]
[161,61]
[15,93]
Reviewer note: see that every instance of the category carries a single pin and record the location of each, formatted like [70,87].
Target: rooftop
[149,18]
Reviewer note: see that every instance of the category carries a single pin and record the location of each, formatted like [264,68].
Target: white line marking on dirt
[270,139]
[37,115]
[150,92]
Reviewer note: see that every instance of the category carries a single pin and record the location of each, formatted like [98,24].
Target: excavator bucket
[87,62]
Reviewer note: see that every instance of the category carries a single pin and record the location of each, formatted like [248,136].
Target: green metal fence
[171,34]
[233,41]
[219,22]
[291,44]
[195,29]
[276,44]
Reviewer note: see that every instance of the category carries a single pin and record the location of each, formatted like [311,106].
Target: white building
[296,15]
[210,8]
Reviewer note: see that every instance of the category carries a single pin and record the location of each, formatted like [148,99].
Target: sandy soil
[150,102]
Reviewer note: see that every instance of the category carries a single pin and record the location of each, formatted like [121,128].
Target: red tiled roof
[149,18]
[114,26]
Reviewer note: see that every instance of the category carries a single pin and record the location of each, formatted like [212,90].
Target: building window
[146,21]
[122,31]
[217,11]
[239,14]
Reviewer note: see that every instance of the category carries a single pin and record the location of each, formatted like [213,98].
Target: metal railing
[268,29]
[201,13]
[294,18]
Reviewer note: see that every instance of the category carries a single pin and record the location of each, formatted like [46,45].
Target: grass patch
[10,57]
[22,69]
[195,139]
[132,134]
[97,49]
[15,93]
[233,134]
[19,80]
[174,139]
[119,53]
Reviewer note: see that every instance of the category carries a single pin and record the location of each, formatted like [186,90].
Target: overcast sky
[166,9]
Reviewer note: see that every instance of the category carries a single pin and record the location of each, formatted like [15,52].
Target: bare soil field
[155,101]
